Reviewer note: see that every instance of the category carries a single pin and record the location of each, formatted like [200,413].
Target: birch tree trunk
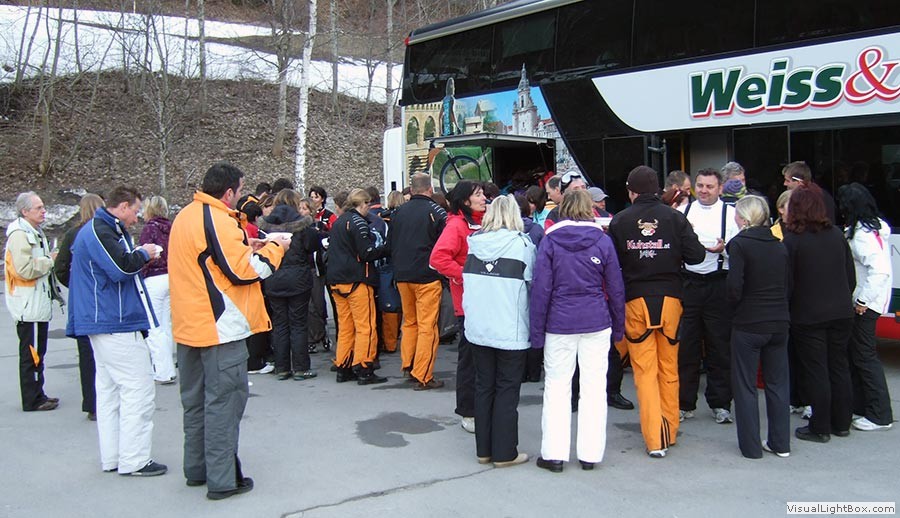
[332,8]
[46,94]
[24,58]
[278,145]
[302,116]
[389,68]
[201,20]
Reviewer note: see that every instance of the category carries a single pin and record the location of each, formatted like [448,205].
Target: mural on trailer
[517,112]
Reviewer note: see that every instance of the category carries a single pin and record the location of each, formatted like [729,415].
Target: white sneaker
[657,454]
[684,414]
[468,424]
[865,425]
[265,370]
[722,415]
[782,454]
[807,412]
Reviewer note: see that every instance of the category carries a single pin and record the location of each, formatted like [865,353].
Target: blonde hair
[356,198]
[783,199]
[89,204]
[395,199]
[288,197]
[753,209]
[156,206]
[502,212]
[577,206]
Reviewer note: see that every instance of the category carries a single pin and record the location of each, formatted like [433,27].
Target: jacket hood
[284,218]
[758,233]
[489,246]
[20,224]
[574,235]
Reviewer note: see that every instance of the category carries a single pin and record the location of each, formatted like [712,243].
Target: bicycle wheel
[455,169]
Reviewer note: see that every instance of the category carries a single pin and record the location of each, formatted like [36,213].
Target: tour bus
[685,85]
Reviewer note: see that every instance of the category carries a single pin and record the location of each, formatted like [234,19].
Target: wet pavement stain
[63,366]
[531,400]
[386,430]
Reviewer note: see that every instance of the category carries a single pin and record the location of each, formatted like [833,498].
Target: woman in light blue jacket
[497,273]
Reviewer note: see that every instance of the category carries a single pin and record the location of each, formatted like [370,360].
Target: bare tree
[282,20]
[335,58]
[24,54]
[302,116]
[201,41]
[389,72]
[46,81]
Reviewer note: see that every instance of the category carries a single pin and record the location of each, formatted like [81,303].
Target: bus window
[466,57]
[594,35]
[666,30]
[795,20]
[525,41]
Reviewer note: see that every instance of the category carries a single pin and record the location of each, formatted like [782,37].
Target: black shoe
[376,365]
[305,375]
[195,483]
[617,400]
[587,466]
[840,433]
[344,375]
[804,434]
[244,486]
[370,378]
[326,344]
[286,375]
[333,368]
[555,466]
[152,469]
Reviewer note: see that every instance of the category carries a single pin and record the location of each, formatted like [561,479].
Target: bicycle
[458,167]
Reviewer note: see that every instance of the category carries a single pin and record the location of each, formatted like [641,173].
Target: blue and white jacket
[106,290]
[497,274]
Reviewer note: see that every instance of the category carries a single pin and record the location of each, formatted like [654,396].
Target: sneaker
[326,344]
[806,413]
[804,434]
[865,425]
[92,416]
[433,384]
[722,415]
[685,414]
[782,454]
[152,469]
[286,375]
[370,378]
[305,375]
[166,381]
[269,368]
[313,349]
[521,458]
[657,454]
[468,424]
[244,486]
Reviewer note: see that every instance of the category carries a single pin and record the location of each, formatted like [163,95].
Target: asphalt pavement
[316,448]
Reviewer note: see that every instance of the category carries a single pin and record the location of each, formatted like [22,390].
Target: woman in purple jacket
[577,305]
[156,278]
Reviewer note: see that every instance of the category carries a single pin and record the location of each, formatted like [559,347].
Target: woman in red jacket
[467,206]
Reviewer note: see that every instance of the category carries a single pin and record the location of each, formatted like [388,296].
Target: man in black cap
[652,241]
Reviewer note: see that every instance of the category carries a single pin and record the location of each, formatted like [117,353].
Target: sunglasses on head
[569,177]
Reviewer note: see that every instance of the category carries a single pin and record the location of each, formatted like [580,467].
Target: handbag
[388,294]
[448,324]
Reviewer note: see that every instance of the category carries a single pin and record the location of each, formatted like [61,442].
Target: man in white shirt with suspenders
[706,320]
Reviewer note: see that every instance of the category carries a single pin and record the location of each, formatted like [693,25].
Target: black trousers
[498,377]
[290,337]
[258,348]
[465,374]
[825,372]
[31,372]
[798,397]
[705,326]
[87,370]
[870,391]
[534,364]
[748,351]
[614,375]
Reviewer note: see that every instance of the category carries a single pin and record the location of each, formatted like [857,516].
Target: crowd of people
[689,278]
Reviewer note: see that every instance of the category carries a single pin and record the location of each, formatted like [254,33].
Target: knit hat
[597,194]
[734,188]
[643,180]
